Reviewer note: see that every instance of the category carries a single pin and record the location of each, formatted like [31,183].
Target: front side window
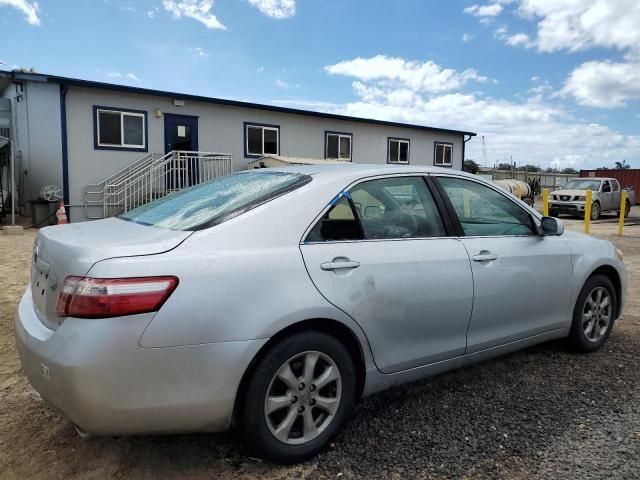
[443,154]
[214,202]
[120,129]
[262,140]
[606,187]
[338,146]
[483,211]
[383,209]
[398,150]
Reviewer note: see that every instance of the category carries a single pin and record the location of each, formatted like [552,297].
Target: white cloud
[198,53]
[467,37]
[260,69]
[382,72]
[152,13]
[532,130]
[120,76]
[199,10]
[604,84]
[490,10]
[285,85]
[275,8]
[580,24]
[29,9]
[518,39]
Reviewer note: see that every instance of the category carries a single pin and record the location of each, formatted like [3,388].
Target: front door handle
[339,265]
[484,256]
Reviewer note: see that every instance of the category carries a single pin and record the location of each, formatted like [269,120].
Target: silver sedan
[270,301]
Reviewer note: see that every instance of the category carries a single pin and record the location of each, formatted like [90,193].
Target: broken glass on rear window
[216,201]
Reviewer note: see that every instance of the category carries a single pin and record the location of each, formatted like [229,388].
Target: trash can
[43,213]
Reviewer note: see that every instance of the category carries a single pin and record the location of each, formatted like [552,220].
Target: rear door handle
[484,256]
[329,266]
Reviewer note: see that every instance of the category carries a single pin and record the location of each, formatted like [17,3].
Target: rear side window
[216,201]
[383,209]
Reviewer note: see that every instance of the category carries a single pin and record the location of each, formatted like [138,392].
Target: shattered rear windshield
[213,202]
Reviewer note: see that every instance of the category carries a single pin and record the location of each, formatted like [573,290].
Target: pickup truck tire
[627,209]
[595,210]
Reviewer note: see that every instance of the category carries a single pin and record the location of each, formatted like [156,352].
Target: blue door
[181,134]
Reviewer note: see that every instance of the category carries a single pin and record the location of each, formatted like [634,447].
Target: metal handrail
[151,177]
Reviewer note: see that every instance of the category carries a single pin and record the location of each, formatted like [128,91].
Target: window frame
[263,127]
[339,135]
[123,147]
[399,140]
[432,188]
[436,144]
[534,217]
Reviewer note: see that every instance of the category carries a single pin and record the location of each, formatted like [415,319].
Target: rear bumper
[95,373]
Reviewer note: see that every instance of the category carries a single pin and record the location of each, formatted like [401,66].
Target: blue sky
[545,82]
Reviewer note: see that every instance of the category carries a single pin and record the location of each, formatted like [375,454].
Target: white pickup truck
[605,197]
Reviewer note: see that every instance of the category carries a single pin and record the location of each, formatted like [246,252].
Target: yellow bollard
[623,205]
[466,201]
[545,202]
[587,213]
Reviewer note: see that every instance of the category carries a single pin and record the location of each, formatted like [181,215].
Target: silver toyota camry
[270,301]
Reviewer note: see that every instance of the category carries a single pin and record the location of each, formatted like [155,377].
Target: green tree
[531,168]
[504,166]
[471,166]
[569,170]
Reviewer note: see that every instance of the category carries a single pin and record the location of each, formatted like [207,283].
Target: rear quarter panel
[244,279]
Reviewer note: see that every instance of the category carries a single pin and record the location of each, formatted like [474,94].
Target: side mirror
[551,226]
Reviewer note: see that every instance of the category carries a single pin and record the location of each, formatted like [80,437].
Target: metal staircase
[150,177]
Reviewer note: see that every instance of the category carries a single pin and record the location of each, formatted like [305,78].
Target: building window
[443,154]
[337,146]
[119,129]
[261,140]
[398,150]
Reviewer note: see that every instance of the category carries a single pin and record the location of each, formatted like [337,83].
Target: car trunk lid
[72,249]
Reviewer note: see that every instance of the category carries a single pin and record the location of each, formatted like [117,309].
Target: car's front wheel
[595,211]
[593,314]
[297,397]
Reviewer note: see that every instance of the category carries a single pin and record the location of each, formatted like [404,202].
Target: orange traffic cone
[61,213]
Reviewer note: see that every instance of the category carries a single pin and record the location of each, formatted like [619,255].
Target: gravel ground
[540,413]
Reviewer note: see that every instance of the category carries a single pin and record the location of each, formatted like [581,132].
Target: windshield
[582,185]
[216,201]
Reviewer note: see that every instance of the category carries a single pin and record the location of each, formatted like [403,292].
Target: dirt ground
[540,413]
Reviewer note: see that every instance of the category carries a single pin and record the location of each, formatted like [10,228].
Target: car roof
[361,169]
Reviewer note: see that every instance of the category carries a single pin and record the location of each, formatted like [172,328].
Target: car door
[615,195]
[522,281]
[606,196]
[382,254]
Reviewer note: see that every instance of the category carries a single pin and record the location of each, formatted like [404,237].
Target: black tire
[577,336]
[252,420]
[595,211]
[627,209]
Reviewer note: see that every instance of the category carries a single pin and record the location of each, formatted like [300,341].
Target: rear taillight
[86,297]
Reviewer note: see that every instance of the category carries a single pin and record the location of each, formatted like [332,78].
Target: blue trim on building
[120,149]
[344,134]
[255,124]
[65,151]
[219,101]
[389,150]
[435,145]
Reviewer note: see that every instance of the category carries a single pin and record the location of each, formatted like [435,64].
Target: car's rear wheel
[627,209]
[297,397]
[593,314]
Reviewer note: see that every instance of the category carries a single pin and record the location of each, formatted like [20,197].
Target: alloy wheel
[303,397]
[596,314]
